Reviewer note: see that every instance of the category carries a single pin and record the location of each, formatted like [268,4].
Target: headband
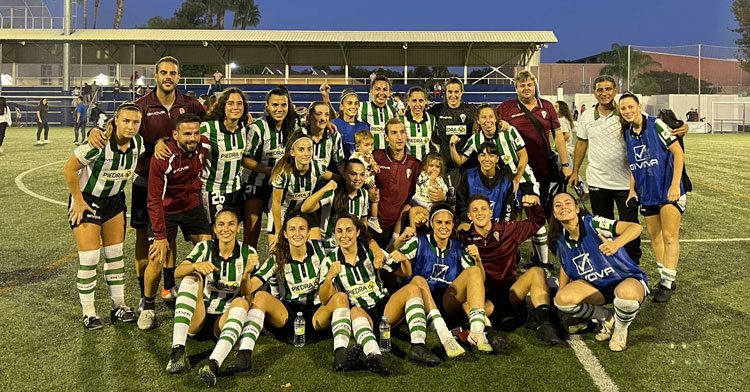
[347,93]
[441,210]
[300,139]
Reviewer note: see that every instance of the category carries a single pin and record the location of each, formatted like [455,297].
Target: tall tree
[96,12]
[118,14]
[246,13]
[741,10]
[617,60]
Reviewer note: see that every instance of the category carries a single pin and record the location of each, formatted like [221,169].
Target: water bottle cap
[299,313]
[385,318]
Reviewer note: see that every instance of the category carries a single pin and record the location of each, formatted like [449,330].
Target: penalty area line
[592,365]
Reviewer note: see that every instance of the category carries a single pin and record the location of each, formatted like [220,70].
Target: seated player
[498,244]
[596,270]
[97,210]
[216,275]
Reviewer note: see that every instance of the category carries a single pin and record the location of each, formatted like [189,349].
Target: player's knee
[474,272]
[420,282]
[412,289]
[358,312]
[565,298]
[670,237]
[261,298]
[339,300]
[489,307]
[240,302]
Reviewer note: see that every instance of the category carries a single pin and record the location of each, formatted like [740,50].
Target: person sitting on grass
[596,269]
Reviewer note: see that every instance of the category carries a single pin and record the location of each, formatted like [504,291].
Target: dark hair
[442,206]
[624,124]
[489,147]
[415,89]
[3,105]
[227,210]
[364,235]
[381,78]
[454,80]
[478,196]
[476,127]
[167,59]
[41,102]
[217,112]
[310,110]
[215,253]
[555,227]
[80,97]
[281,252]
[604,78]
[186,118]
[285,164]
[341,194]
[191,94]
[289,123]
[565,112]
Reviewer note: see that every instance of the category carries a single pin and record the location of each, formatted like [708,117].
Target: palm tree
[246,13]
[617,60]
[118,14]
[96,12]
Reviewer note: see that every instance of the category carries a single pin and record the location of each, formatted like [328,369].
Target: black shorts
[191,222]
[262,192]
[681,205]
[210,329]
[105,208]
[138,207]
[215,202]
[499,295]
[608,292]
[376,314]
[286,332]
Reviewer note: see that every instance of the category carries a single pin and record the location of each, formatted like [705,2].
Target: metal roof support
[406,63]
[346,61]
[1,68]
[466,62]
[283,52]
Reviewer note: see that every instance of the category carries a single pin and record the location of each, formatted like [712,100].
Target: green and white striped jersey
[106,171]
[508,144]
[359,206]
[266,147]
[419,135]
[377,117]
[222,286]
[361,282]
[297,188]
[223,168]
[301,278]
[329,149]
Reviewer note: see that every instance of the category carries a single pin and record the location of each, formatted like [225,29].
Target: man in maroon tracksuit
[498,244]
[173,188]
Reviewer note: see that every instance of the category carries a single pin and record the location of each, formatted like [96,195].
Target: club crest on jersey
[408,173]
[496,235]
[507,159]
[463,117]
[182,110]
[544,114]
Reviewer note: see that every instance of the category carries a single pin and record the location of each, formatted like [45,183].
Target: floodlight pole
[628,89]
[66,46]
[699,82]
[1,68]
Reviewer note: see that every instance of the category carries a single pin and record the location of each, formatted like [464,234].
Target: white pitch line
[22,187]
[712,240]
[592,365]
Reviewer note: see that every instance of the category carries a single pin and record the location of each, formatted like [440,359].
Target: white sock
[341,326]
[183,310]
[365,337]
[86,280]
[625,311]
[114,274]
[476,320]
[438,324]
[229,334]
[540,244]
[416,320]
[251,329]
[668,276]
[586,311]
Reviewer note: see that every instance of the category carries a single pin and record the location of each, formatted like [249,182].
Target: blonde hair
[433,156]
[476,127]
[111,127]
[363,136]
[286,163]
[524,76]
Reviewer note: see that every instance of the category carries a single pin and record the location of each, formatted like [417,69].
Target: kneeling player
[209,302]
[608,273]
[455,277]
[498,244]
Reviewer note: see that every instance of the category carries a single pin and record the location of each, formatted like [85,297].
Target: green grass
[697,342]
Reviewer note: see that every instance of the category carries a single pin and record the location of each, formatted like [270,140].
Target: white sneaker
[606,330]
[147,319]
[39,142]
[47,141]
[452,348]
[374,224]
[619,341]
[480,341]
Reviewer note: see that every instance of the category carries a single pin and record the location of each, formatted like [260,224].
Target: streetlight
[232,65]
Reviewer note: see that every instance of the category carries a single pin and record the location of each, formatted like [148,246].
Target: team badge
[408,173]
[640,153]
[544,114]
[506,159]
[182,110]
[463,117]
[497,236]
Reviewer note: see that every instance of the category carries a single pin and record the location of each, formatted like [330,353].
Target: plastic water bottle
[299,330]
[385,335]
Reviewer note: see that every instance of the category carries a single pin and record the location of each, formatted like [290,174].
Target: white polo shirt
[608,160]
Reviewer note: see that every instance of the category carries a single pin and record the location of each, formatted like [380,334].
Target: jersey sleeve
[326,199]
[325,266]
[253,141]
[199,252]
[337,155]
[466,260]
[410,248]
[280,181]
[665,132]
[604,226]
[266,270]
[87,154]
[516,139]
[582,130]
[390,264]
[246,251]
[470,146]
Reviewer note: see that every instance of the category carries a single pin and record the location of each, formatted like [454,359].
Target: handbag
[554,174]
[669,118]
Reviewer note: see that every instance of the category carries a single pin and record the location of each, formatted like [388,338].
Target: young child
[433,169]
[364,142]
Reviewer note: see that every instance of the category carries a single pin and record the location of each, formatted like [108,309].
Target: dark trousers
[82,126]
[603,203]
[384,238]
[43,125]
[3,127]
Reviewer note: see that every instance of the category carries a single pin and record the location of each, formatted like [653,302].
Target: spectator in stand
[94,91]
[583,108]
[80,121]
[134,80]
[86,92]
[5,120]
[41,118]
[116,88]
[218,76]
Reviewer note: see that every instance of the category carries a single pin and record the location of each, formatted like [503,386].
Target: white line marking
[592,365]
[712,240]
[22,187]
